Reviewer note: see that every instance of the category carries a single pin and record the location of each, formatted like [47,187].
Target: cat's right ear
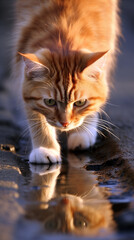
[33,67]
[93,64]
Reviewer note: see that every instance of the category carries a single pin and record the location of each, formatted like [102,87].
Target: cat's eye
[50,102]
[80,221]
[52,224]
[80,103]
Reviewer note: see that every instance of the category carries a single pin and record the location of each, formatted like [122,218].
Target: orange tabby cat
[64,53]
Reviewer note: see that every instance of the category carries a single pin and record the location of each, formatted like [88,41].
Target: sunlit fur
[64,51]
[76,205]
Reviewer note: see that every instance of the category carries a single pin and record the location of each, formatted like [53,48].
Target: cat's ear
[34,68]
[93,63]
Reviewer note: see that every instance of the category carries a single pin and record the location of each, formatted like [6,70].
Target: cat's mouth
[65,126]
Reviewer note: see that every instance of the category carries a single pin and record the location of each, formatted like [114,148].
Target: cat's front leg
[85,136]
[46,149]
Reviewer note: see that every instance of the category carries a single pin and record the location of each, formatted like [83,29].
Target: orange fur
[68,48]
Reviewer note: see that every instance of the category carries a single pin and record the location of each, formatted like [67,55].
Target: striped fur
[68,48]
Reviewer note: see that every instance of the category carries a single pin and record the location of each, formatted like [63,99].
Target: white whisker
[87,130]
[104,125]
[101,110]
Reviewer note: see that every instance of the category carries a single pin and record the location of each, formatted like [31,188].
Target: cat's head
[70,214]
[65,87]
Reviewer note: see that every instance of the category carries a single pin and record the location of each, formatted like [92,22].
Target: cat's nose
[64,124]
[64,201]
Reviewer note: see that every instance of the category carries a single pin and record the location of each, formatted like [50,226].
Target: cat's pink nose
[64,124]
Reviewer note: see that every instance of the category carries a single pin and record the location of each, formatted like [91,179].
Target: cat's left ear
[34,68]
[93,63]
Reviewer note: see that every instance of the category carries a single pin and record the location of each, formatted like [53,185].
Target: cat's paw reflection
[81,140]
[44,169]
[78,160]
[43,155]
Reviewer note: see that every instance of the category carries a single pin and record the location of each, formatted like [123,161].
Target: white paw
[43,155]
[81,140]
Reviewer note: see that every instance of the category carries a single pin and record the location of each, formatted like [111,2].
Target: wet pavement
[91,195]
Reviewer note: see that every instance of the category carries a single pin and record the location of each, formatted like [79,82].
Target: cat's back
[72,10]
[91,24]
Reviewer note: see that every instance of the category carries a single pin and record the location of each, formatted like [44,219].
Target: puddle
[91,194]
[68,199]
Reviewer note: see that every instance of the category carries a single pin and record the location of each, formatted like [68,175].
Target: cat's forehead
[66,84]
[68,88]
[63,95]
[67,96]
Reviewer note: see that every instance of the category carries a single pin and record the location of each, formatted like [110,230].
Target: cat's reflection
[69,200]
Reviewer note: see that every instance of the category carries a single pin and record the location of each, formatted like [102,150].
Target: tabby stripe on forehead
[57,84]
[65,80]
[60,91]
[74,82]
[57,80]
[55,92]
